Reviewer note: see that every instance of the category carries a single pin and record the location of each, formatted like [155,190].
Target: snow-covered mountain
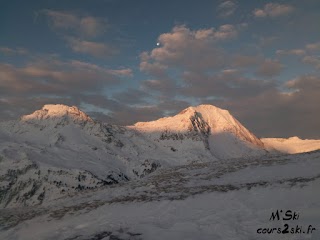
[61,159]
[59,150]
[54,152]
[291,145]
[205,129]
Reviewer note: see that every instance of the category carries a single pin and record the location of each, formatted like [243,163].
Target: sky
[124,61]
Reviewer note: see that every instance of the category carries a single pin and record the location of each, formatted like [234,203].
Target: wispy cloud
[53,80]
[80,32]
[226,9]
[53,76]
[125,72]
[13,51]
[132,96]
[273,10]
[296,52]
[268,40]
[86,26]
[312,60]
[92,48]
[286,112]
[313,46]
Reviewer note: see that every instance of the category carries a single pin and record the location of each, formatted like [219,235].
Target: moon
[158,44]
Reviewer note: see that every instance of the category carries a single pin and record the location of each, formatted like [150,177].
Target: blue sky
[258,59]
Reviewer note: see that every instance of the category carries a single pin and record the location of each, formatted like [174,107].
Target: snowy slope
[203,129]
[197,175]
[61,139]
[59,150]
[228,200]
[24,182]
[291,145]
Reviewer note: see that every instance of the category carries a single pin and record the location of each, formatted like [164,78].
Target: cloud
[312,60]
[14,107]
[92,48]
[186,49]
[152,68]
[267,112]
[86,26]
[190,64]
[266,41]
[188,67]
[130,115]
[225,32]
[269,68]
[226,9]
[125,72]
[290,114]
[119,112]
[273,10]
[101,101]
[182,50]
[173,106]
[306,83]
[296,52]
[79,31]
[53,76]
[240,60]
[27,88]
[185,66]
[48,79]
[183,47]
[228,85]
[13,51]
[166,86]
[313,46]
[132,96]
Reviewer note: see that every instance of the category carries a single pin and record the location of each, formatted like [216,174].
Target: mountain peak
[205,109]
[207,112]
[209,118]
[59,108]
[57,111]
[208,107]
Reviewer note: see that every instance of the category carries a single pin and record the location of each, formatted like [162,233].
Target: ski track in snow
[227,199]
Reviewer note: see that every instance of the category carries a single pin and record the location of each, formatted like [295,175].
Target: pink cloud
[92,48]
[270,68]
[87,26]
[313,46]
[273,10]
[195,49]
[52,76]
